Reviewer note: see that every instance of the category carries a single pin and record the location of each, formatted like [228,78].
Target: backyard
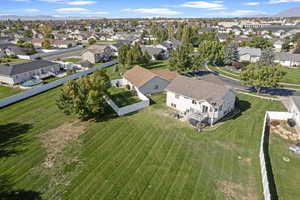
[286,173]
[146,155]
[122,97]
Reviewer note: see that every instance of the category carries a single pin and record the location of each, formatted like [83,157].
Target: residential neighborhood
[149,100]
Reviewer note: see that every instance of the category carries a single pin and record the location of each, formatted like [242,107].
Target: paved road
[65,55]
[272,91]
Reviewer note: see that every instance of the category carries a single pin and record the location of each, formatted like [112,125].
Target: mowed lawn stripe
[123,159]
[103,156]
[138,181]
[121,176]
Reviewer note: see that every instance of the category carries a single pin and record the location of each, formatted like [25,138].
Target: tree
[260,42]
[262,76]
[122,53]
[231,54]
[28,33]
[267,56]
[46,44]
[211,52]
[181,59]
[92,41]
[85,96]
[45,29]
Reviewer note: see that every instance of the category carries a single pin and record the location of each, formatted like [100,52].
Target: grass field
[287,178]
[8,91]
[73,60]
[122,97]
[146,155]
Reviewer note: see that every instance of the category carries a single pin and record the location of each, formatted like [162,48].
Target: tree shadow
[8,193]
[270,175]
[11,136]
[275,91]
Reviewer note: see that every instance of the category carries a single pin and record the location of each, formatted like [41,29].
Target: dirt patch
[55,140]
[233,190]
[282,129]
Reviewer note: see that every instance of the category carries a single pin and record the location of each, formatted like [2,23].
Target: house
[249,54]
[200,99]
[294,108]
[156,53]
[277,43]
[169,45]
[98,53]
[148,81]
[61,44]
[21,72]
[297,51]
[287,59]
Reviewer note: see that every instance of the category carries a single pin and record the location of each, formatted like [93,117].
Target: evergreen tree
[267,56]
[211,52]
[231,54]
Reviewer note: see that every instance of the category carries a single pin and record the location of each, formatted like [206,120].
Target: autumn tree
[212,52]
[181,59]
[260,75]
[84,97]
[46,44]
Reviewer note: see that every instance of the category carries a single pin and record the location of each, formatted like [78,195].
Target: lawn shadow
[11,136]
[275,91]
[8,193]
[240,107]
[270,175]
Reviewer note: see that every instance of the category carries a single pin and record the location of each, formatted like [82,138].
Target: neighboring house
[200,99]
[148,81]
[277,43]
[297,51]
[12,49]
[169,45]
[249,54]
[294,108]
[156,53]
[61,44]
[98,53]
[287,59]
[21,72]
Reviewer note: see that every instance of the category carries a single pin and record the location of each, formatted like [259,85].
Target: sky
[145,8]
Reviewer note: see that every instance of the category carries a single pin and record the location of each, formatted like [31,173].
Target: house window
[176,96]
[173,105]
[204,109]
[221,106]
[194,102]
[156,87]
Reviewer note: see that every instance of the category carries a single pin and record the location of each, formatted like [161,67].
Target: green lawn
[10,60]
[122,97]
[286,174]
[147,155]
[73,60]
[292,75]
[8,91]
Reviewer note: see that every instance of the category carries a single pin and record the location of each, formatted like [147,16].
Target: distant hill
[41,17]
[292,12]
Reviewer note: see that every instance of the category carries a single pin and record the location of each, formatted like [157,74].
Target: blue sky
[145,8]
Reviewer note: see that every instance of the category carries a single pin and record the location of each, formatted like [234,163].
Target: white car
[295,149]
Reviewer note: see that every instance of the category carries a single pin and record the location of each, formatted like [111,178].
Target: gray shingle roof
[198,89]
[9,70]
[285,56]
[250,51]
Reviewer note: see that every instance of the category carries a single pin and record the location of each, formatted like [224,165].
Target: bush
[128,87]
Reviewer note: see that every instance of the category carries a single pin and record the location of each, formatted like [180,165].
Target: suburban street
[271,91]
[65,55]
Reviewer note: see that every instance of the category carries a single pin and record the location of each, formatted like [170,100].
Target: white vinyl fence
[37,90]
[40,55]
[265,174]
[145,102]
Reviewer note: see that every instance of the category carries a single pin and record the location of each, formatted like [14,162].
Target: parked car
[295,149]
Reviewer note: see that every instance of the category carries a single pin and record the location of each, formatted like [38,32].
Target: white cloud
[215,5]
[156,11]
[238,13]
[31,10]
[254,3]
[82,11]
[79,3]
[282,1]
[71,10]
